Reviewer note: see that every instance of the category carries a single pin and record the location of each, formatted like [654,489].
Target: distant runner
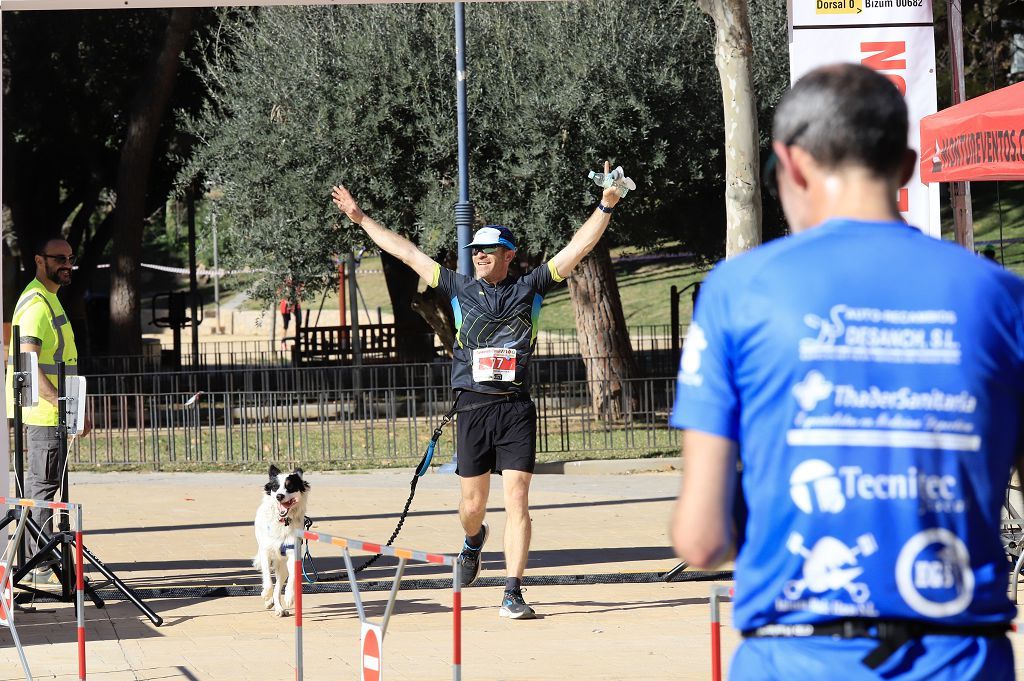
[496,318]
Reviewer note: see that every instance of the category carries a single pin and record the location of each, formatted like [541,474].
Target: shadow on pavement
[55,623]
[581,607]
[371,516]
[331,568]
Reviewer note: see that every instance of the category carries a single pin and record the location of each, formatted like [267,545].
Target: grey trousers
[43,472]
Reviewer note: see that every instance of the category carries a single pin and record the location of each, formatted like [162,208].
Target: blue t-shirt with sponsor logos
[873,379]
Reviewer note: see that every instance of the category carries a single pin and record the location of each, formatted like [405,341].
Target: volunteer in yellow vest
[45,330]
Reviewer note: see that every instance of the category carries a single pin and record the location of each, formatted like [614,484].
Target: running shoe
[43,577]
[514,607]
[469,560]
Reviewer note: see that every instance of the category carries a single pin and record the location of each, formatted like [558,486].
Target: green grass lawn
[350,445]
[645,287]
[645,291]
[985,200]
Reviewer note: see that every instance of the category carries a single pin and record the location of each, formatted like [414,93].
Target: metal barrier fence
[375,424]
[309,379]
[270,379]
[217,355]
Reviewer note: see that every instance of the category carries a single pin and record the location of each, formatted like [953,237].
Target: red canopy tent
[980,139]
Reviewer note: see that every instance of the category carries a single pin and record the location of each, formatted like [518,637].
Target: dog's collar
[284,519]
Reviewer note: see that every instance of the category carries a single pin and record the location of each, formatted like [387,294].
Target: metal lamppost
[216,273]
[463,209]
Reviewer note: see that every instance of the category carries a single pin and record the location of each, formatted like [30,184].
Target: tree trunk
[602,334]
[733,55]
[32,194]
[437,313]
[411,329]
[148,110]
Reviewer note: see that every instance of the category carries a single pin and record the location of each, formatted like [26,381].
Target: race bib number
[494,364]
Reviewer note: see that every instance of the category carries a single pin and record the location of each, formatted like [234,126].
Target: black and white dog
[282,512]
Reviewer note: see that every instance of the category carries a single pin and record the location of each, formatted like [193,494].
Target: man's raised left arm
[587,236]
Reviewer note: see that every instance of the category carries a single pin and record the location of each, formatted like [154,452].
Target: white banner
[895,38]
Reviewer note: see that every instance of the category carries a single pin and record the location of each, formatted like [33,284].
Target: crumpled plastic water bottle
[616,178]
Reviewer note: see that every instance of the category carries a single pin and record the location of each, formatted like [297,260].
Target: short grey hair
[845,114]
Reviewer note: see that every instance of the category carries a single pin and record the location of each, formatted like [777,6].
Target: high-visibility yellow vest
[40,315]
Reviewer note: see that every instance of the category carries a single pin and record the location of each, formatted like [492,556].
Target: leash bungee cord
[421,469]
[307,523]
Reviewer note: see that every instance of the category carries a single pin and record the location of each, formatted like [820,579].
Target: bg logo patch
[933,573]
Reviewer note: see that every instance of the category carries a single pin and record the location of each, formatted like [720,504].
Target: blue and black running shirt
[495,327]
[873,378]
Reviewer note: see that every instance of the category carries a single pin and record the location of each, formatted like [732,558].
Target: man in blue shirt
[868,380]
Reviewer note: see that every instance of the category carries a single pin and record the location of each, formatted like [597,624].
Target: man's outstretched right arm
[395,244]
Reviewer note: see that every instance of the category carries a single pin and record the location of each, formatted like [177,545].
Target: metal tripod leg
[674,572]
[38,557]
[51,548]
[122,587]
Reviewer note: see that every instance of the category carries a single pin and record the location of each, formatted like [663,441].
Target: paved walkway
[183,530]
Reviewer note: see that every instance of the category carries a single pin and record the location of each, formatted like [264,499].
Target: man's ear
[790,162]
[907,166]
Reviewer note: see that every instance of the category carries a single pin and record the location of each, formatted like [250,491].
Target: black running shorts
[500,437]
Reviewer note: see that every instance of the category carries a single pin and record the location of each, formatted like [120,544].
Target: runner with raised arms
[496,317]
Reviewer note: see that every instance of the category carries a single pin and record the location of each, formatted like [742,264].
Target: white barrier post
[392,596]
[403,555]
[356,597]
[456,623]
[717,591]
[297,576]
[80,592]
[7,585]
[79,572]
